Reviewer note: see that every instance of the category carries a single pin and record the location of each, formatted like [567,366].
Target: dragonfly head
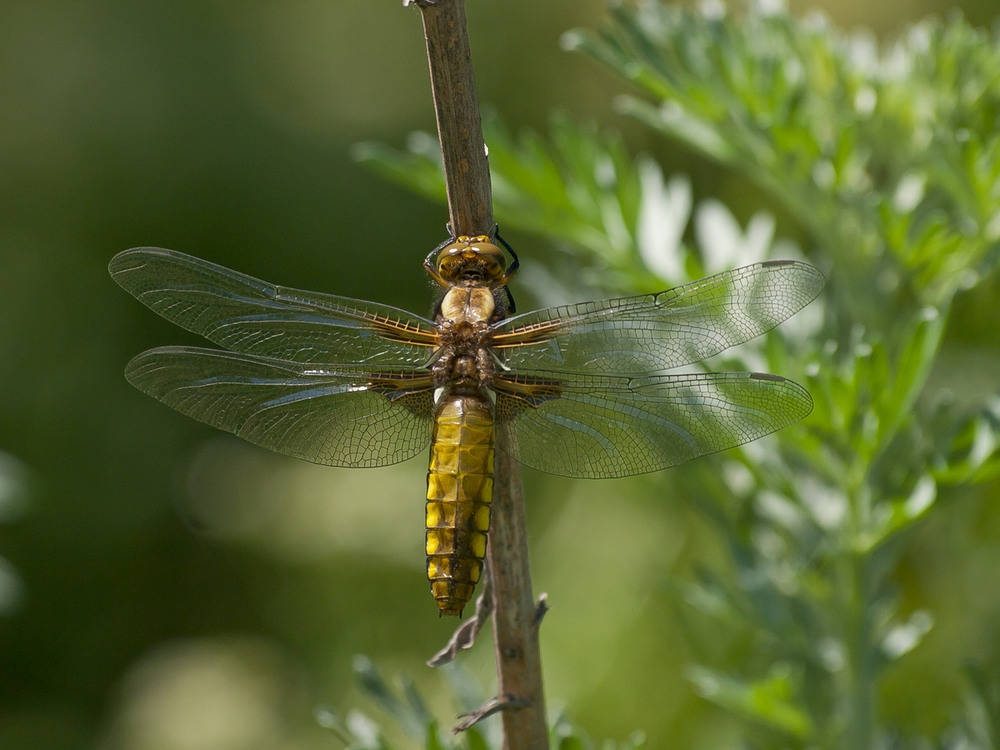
[472,258]
[475,261]
[469,259]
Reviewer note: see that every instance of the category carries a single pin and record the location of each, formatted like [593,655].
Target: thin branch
[466,633]
[515,616]
[460,127]
[490,707]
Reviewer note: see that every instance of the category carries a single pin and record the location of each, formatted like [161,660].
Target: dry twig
[515,616]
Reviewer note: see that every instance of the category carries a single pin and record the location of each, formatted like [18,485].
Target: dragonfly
[577,390]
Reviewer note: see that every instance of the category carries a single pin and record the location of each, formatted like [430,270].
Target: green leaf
[770,701]
[433,742]
[411,713]
[474,739]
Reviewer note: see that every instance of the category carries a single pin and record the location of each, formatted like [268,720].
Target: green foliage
[580,188]
[888,157]
[405,710]
[14,492]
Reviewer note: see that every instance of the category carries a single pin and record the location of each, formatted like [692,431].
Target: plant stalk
[459,124]
[470,208]
[515,616]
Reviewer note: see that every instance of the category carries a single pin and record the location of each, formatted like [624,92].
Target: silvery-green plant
[887,156]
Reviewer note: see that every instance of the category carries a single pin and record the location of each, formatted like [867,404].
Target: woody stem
[467,178]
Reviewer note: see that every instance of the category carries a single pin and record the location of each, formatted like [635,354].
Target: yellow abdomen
[459,492]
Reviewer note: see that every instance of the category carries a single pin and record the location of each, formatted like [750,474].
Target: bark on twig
[515,616]
[492,706]
[466,633]
[460,127]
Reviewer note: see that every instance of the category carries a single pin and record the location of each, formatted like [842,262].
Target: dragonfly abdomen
[459,492]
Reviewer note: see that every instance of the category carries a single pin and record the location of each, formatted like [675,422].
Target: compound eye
[471,255]
[487,249]
[491,260]
[452,248]
[449,260]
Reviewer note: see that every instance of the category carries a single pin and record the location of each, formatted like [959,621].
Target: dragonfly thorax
[463,359]
[465,371]
[467,304]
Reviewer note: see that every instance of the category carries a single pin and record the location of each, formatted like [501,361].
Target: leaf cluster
[887,155]
[402,710]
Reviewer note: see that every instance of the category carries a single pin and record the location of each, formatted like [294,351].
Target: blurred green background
[168,587]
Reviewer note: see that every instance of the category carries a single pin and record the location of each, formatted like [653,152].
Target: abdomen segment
[459,491]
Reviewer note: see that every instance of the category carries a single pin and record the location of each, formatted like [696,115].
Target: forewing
[608,426]
[634,335]
[343,416]
[248,315]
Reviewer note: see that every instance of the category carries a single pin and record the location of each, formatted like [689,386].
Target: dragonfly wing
[339,416]
[248,315]
[610,426]
[659,331]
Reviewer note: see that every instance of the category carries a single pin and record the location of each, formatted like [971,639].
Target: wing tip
[816,278]
[133,259]
[804,398]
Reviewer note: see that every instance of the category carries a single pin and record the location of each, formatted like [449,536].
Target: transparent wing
[658,331]
[248,315]
[609,426]
[342,416]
